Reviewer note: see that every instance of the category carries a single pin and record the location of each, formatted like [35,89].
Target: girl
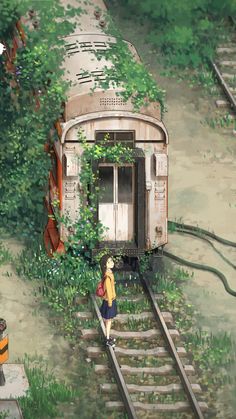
[108,308]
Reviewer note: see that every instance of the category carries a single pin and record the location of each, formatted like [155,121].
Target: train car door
[116,201]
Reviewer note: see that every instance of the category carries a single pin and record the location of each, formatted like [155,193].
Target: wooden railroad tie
[163,370]
[147,334]
[94,351]
[122,318]
[166,389]
[158,407]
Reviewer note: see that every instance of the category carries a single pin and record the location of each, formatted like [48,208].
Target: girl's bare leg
[108,327]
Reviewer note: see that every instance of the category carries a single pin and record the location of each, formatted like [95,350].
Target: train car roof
[86,22]
[82,67]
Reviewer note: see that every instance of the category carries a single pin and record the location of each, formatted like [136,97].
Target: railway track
[152,373]
[224,68]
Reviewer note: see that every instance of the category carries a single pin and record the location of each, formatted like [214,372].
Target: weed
[145,262]
[224,121]
[210,350]
[181,274]
[61,272]
[44,391]
[5,255]
[133,307]
[205,77]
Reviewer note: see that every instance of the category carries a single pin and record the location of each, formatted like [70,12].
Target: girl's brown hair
[103,264]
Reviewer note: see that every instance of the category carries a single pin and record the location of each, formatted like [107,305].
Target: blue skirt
[108,312]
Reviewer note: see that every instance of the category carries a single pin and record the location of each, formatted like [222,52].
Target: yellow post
[3,350]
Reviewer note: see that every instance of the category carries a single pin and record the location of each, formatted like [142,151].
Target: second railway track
[224,66]
[150,365]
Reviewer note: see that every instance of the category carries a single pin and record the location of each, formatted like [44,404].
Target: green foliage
[214,354]
[126,72]
[44,391]
[9,13]
[23,163]
[68,274]
[144,262]
[185,32]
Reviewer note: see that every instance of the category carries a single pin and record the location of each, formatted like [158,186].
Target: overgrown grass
[224,121]
[212,354]
[44,391]
[168,284]
[5,255]
[60,280]
[59,272]
[131,307]
[203,77]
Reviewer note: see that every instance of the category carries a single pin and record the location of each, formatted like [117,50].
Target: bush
[24,165]
[186,32]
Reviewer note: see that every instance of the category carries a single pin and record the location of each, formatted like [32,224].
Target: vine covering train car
[134,206]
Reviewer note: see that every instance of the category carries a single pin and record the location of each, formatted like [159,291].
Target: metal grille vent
[85,77]
[112,101]
[96,46]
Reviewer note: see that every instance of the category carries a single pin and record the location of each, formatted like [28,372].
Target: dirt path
[28,326]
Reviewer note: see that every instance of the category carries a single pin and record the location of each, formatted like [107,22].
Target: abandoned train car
[134,206]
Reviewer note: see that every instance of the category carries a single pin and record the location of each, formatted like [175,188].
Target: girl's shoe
[109,342]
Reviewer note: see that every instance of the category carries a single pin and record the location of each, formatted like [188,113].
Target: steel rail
[116,368]
[224,85]
[158,316]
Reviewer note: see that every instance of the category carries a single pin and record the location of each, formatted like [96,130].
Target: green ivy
[86,230]
[128,73]
[24,165]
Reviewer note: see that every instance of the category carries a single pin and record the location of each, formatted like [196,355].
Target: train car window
[125,137]
[106,184]
[125,185]
[101,135]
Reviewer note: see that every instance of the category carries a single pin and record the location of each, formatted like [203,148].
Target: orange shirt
[109,286]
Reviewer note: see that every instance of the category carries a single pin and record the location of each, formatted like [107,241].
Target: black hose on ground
[204,268]
[200,236]
[199,232]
